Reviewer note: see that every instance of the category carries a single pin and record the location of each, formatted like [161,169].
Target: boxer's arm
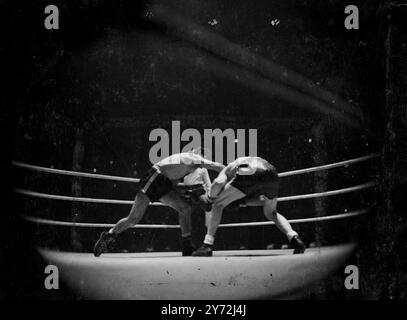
[206,180]
[218,184]
[210,165]
[201,162]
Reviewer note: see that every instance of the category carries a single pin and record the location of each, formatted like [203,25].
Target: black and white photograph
[218,151]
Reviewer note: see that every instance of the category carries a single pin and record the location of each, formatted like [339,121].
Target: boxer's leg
[107,239]
[137,211]
[226,197]
[270,211]
[175,201]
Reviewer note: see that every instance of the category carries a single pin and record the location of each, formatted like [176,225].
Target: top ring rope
[328,166]
[135,180]
[73,173]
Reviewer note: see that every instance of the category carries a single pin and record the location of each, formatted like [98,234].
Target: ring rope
[130,202]
[329,193]
[128,179]
[76,199]
[174,226]
[328,166]
[73,173]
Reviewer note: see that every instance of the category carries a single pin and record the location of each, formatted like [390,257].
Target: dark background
[86,97]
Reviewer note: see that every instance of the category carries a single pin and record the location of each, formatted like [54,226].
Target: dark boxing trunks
[155,185]
[260,183]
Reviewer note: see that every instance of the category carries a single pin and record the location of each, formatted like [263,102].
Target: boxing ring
[231,274]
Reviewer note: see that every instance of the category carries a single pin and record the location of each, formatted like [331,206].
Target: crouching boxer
[255,180]
[159,184]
